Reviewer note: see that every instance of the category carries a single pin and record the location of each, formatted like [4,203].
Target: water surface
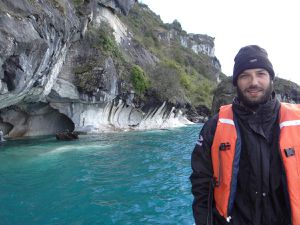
[119,178]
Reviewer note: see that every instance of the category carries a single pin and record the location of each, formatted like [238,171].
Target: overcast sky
[274,25]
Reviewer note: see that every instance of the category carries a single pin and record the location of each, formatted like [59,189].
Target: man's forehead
[255,70]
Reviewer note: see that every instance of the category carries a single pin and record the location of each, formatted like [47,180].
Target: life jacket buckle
[289,152]
[224,146]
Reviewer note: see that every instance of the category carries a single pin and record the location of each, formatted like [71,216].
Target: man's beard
[255,103]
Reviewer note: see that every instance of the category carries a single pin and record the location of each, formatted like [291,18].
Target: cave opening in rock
[5,127]
[9,80]
[49,122]
[65,124]
[34,119]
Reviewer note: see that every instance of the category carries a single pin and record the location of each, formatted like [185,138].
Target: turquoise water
[120,178]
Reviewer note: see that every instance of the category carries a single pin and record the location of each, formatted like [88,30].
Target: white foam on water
[69,148]
[62,149]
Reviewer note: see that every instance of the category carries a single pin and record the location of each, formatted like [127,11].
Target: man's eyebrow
[262,70]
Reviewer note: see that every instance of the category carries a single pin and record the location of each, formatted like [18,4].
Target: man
[246,163]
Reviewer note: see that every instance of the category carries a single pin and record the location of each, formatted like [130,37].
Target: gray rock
[42,46]
[119,5]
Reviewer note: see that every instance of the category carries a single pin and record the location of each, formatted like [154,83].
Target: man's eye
[262,74]
[243,76]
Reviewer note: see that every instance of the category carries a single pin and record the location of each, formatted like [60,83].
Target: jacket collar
[262,119]
[262,109]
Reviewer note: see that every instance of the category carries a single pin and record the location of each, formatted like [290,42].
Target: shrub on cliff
[85,78]
[139,79]
[165,80]
[101,42]
[102,38]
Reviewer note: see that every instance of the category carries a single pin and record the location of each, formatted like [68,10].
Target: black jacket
[261,196]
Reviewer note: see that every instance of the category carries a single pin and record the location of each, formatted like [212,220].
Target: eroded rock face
[37,40]
[44,45]
[199,43]
[116,116]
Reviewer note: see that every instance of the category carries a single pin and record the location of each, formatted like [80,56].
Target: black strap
[210,202]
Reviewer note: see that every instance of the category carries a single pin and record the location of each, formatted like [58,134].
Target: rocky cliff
[96,66]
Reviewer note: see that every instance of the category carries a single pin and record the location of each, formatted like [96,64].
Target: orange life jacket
[226,149]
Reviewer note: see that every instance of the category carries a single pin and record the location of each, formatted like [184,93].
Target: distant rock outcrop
[198,43]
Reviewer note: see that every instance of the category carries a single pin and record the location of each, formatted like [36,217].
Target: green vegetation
[182,75]
[86,78]
[185,80]
[104,40]
[179,83]
[179,75]
[106,43]
[78,3]
[166,81]
[201,92]
[144,23]
[139,79]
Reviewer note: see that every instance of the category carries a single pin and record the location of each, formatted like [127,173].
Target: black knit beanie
[251,57]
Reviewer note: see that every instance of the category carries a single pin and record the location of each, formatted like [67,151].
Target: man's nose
[254,79]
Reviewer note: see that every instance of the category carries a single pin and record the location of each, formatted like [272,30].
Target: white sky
[273,25]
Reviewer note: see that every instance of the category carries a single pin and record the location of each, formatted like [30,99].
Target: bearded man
[246,163]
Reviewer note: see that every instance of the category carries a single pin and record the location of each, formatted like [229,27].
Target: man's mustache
[254,88]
